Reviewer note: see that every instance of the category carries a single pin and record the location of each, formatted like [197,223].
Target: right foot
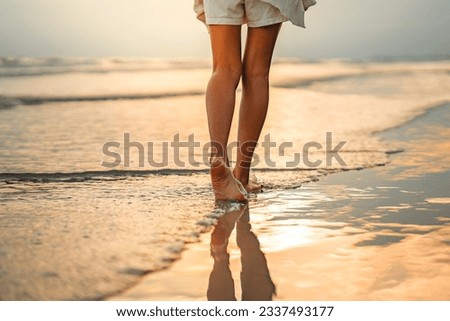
[225,186]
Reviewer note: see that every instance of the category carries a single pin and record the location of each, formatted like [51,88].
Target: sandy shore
[72,224]
[361,235]
[328,267]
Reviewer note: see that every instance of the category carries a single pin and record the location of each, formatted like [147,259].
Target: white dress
[294,10]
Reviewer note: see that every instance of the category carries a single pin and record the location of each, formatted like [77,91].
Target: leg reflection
[255,276]
[221,284]
[256,282]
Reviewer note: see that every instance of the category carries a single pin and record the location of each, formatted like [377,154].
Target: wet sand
[88,231]
[375,234]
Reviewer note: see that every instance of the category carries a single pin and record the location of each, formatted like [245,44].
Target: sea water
[84,213]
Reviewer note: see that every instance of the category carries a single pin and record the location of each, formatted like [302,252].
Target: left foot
[252,186]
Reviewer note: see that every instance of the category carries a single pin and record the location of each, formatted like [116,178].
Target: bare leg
[255,97]
[221,283]
[220,101]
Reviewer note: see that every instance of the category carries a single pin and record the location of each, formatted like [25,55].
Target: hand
[201,17]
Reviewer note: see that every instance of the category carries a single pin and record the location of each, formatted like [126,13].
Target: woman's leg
[220,101]
[255,97]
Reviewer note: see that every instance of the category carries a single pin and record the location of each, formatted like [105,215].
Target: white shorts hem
[224,21]
[266,22]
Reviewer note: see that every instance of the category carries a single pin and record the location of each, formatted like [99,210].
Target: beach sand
[72,228]
[376,234]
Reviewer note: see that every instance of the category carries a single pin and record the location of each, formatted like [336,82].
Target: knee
[250,75]
[229,73]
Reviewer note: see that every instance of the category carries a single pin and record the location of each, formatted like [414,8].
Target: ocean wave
[42,66]
[93,175]
[33,66]
[360,75]
[9,102]
[43,177]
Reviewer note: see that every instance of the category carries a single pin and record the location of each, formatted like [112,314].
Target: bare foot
[225,186]
[252,186]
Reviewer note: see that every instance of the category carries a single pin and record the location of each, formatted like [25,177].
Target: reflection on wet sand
[377,234]
[256,282]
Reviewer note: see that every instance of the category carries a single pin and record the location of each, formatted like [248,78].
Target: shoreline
[85,233]
[187,278]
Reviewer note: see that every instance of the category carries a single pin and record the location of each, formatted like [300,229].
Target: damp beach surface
[375,234]
[79,223]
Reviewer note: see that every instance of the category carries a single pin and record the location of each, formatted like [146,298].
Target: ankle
[215,160]
[241,176]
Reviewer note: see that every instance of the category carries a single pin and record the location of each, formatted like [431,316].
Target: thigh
[259,49]
[226,46]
